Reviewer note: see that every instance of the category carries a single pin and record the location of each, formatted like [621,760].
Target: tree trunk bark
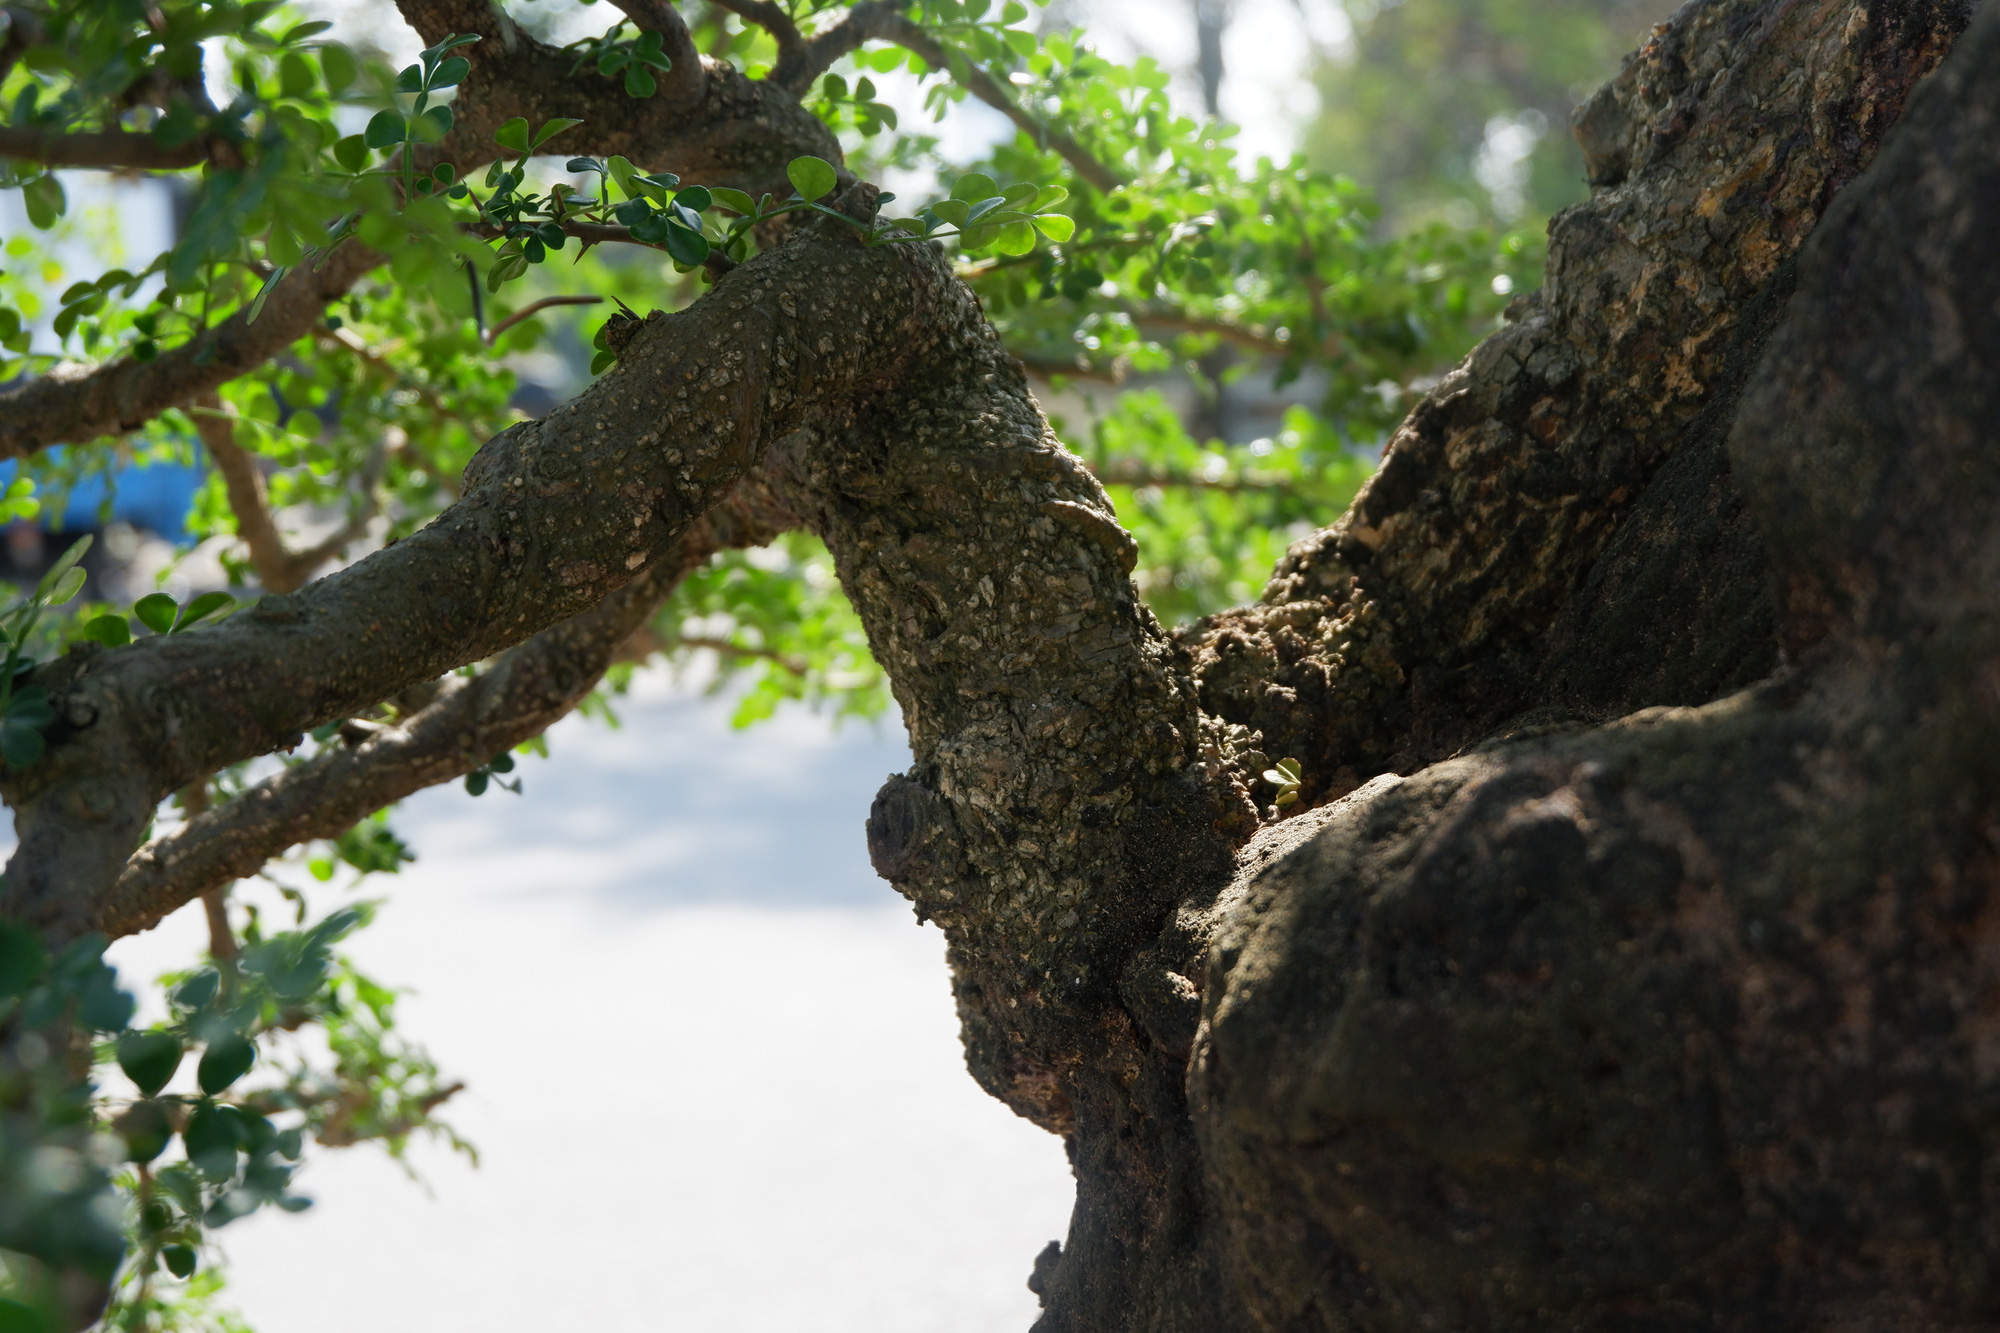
[1480,1046]
[1682,1021]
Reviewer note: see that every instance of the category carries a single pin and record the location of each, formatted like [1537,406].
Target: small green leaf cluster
[1286,777]
[983,215]
[614,51]
[263,199]
[370,847]
[781,631]
[242,1140]
[841,107]
[490,774]
[389,131]
[25,710]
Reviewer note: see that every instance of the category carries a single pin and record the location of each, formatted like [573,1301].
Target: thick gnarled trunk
[1683,1022]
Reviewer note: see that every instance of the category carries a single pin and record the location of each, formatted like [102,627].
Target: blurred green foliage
[1459,109]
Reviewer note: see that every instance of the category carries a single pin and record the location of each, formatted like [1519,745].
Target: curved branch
[74,405]
[556,514]
[104,149]
[466,723]
[686,82]
[534,308]
[793,51]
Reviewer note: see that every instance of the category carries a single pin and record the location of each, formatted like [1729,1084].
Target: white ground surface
[713,1067]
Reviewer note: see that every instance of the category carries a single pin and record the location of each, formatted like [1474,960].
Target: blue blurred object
[157,497]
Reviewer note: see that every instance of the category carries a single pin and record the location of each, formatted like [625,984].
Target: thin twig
[982,85]
[1077,368]
[729,649]
[279,568]
[493,334]
[105,149]
[599,233]
[214,901]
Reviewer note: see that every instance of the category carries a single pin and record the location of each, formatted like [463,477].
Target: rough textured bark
[1684,1022]
[554,515]
[460,724]
[739,133]
[1464,587]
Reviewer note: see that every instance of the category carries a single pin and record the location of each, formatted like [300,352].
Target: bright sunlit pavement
[712,1065]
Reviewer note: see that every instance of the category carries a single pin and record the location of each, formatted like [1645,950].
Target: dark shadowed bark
[1684,1022]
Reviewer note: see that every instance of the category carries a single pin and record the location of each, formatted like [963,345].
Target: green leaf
[20,746]
[156,611]
[978,238]
[475,782]
[974,186]
[1016,238]
[696,197]
[337,64]
[65,562]
[70,586]
[351,152]
[639,81]
[626,175]
[149,1059]
[145,1129]
[687,247]
[1056,226]
[110,629]
[650,228]
[223,1063]
[734,200]
[513,134]
[203,607]
[22,959]
[30,707]
[385,130]
[599,363]
[1048,197]
[551,128]
[953,211]
[812,177]
[410,79]
[295,75]
[45,201]
[180,1259]
[210,1141]
[432,125]
[198,990]
[451,73]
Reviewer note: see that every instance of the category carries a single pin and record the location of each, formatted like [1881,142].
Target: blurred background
[675,917]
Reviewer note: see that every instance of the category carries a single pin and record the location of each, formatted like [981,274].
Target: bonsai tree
[1558,897]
